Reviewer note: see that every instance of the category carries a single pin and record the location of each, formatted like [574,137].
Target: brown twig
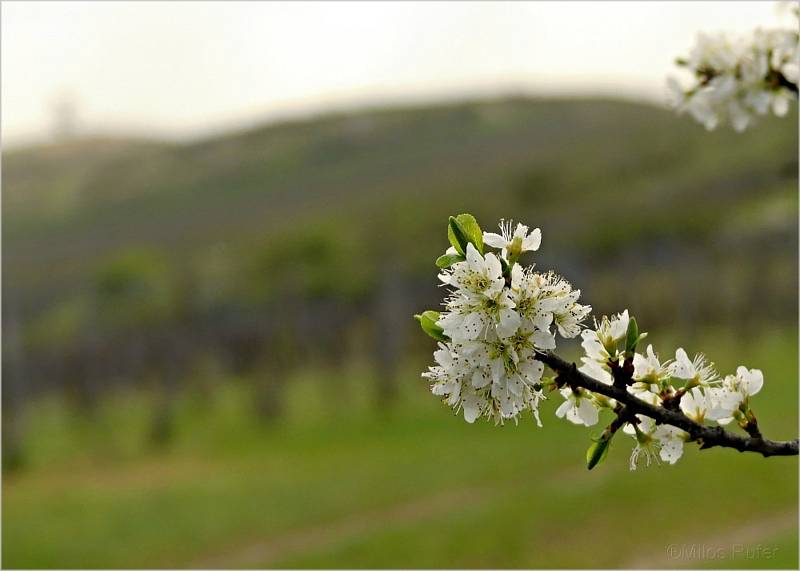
[780,80]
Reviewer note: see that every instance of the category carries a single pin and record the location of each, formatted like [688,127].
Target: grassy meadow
[348,486]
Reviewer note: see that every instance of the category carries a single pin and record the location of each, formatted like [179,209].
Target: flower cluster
[735,79]
[499,327]
[702,395]
[497,316]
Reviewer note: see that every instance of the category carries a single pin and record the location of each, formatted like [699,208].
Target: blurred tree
[13,390]
[392,305]
[134,289]
[140,300]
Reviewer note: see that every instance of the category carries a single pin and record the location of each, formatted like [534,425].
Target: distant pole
[65,120]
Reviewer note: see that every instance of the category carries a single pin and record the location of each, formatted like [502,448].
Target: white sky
[186,69]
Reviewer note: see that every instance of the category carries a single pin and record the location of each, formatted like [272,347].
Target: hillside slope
[596,175]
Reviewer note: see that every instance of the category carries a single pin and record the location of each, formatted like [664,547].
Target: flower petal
[588,412]
[494,240]
[533,241]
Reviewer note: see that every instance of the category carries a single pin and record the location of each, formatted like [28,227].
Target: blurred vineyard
[172,274]
[136,262]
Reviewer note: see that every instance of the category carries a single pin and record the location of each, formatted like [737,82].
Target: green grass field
[338,484]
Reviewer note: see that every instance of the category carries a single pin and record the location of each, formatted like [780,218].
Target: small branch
[672,402]
[774,78]
[623,416]
[783,82]
[751,427]
[623,375]
[706,436]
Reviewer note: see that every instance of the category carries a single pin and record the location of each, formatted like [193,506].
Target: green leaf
[448,260]
[457,237]
[427,321]
[632,337]
[462,230]
[472,230]
[597,452]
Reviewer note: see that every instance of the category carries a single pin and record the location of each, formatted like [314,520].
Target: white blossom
[735,391]
[697,371]
[527,292]
[671,440]
[547,299]
[578,408]
[478,275]
[470,316]
[654,441]
[696,404]
[495,326]
[747,381]
[596,370]
[736,79]
[513,243]
[650,377]
[561,300]
[486,379]
[648,368]
[601,346]
[612,330]
[481,300]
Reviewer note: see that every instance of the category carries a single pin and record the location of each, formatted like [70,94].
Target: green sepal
[597,452]
[546,383]
[427,321]
[632,336]
[462,230]
[447,260]
[505,266]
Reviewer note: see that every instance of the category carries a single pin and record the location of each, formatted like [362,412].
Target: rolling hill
[611,183]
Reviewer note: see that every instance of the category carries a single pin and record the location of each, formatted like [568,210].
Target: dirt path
[272,550]
[722,548]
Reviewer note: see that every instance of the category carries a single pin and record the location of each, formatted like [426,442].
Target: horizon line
[289,115]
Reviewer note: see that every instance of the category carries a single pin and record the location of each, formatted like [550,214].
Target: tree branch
[783,82]
[706,436]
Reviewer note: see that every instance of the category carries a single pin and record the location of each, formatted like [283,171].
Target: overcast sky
[184,69]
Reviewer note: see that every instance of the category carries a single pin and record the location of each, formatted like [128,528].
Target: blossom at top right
[734,80]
